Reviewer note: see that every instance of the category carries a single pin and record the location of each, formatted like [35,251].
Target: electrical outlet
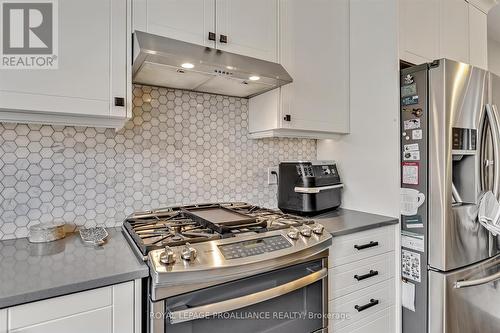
[272,176]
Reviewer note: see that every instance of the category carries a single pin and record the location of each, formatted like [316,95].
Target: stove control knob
[293,234]
[189,253]
[318,229]
[306,231]
[167,257]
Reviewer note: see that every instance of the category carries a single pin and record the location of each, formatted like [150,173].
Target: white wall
[494,56]
[368,158]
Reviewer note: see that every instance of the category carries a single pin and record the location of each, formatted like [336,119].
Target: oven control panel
[253,247]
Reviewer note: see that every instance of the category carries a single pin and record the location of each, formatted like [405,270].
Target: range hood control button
[167,257]
[306,231]
[189,253]
[318,229]
[293,234]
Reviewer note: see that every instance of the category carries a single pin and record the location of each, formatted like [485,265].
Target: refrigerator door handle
[491,113]
[471,283]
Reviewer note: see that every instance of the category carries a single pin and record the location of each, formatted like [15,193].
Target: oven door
[291,300]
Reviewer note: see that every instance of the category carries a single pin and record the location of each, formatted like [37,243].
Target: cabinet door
[104,310]
[3,321]
[93,39]
[186,20]
[454,39]
[419,30]
[478,37]
[98,321]
[251,27]
[315,51]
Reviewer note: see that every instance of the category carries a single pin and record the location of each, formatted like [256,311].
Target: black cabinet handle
[373,302]
[223,39]
[366,276]
[366,246]
[119,101]
[211,36]
[287,117]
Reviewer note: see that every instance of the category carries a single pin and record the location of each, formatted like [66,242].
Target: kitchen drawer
[59,307]
[361,245]
[95,321]
[3,321]
[381,294]
[342,279]
[380,322]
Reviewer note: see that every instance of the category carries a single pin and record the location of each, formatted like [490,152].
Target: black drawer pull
[366,276]
[373,302]
[366,246]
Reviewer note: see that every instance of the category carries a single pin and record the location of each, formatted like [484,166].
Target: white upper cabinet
[314,49]
[478,39]
[188,20]
[248,27]
[434,29]
[454,31]
[91,85]
[419,41]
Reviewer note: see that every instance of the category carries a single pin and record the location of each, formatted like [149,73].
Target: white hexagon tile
[179,148]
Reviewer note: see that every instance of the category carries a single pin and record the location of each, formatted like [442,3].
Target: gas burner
[173,226]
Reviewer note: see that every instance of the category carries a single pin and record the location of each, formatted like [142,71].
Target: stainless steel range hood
[166,62]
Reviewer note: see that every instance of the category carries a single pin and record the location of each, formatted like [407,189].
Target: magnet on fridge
[411,156]
[416,134]
[410,201]
[411,124]
[411,147]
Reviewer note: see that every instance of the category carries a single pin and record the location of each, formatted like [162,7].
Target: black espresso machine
[308,188]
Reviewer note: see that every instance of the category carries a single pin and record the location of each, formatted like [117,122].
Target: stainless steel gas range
[232,267]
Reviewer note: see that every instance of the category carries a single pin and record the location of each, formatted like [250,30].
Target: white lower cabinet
[362,287]
[360,245]
[379,322]
[3,321]
[110,309]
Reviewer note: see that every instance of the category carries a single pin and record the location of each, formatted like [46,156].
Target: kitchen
[222,166]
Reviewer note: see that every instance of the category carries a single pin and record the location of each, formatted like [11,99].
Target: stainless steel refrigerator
[450,146]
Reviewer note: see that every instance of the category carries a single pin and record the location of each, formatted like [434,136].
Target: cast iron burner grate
[175,226]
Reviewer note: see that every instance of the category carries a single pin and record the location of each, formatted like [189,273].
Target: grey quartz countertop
[344,221]
[31,272]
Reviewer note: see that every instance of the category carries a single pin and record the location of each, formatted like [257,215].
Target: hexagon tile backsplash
[179,148]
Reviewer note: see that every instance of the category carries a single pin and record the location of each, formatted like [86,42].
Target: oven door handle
[247,300]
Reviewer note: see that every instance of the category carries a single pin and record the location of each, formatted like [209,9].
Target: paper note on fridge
[411,124]
[412,241]
[408,295]
[410,265]
[410,173]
